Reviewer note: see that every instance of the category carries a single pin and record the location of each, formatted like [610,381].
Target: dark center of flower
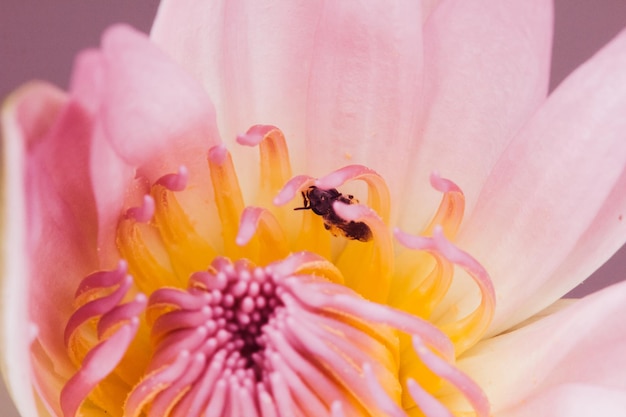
[231,304]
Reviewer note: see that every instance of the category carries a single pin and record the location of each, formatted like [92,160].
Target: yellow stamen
[149,274]
[188,251]
[275,166]
[269,240]
[449,215]
[227,197]
[368,267]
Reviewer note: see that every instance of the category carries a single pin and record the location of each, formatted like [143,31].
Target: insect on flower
[321,203]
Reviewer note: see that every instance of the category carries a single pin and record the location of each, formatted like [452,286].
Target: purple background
[39,40]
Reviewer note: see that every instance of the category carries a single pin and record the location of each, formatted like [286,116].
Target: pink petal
[552,188]
[48,206]
[97,364]
[81,158]
[364,92]
[149,107]
[602,238]
[150,117]
[572,400]
[253,59]
[347,80]
[583,343]
[61,222]
[343,77]
[486,70]
[428,6]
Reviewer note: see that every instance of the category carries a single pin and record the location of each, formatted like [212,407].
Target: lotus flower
[317,208]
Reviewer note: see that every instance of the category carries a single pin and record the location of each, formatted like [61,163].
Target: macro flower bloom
[317,208]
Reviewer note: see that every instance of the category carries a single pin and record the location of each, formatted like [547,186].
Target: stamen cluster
[242,341]
[230,304]
[298,335]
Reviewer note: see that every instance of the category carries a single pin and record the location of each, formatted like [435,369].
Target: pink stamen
[429,405]
[96,308]
[143,213]
[364,214]
[209,281]
[250,219]
[162,404]
[314,339]
[121,314]
[326,345]
[292,264]
[267,405]
[245,340]
[378,193]
[347,373]
[230,330]
[190,340]
[274,157]
[382,255]
[189,300]
[116,327]
[380,396]
[462,382]
[451,209]
[155,383]
[350,172]
[217,400]
[181,319]
[274,341]
[227,196]
[218,154]
[291,189]
[175,182]
[102,279]
[442,184]
[438,244]
[324,387]
[255,135]
[252,350]
[194,403]
[301,391]
[352,340]
[317,295]
[245,401]
[284,403]
[256,219]
[99,362]
[356,212]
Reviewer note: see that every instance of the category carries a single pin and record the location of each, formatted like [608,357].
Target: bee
[321,202]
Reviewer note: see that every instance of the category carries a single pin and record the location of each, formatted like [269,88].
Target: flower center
[231,303]
[318,314]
